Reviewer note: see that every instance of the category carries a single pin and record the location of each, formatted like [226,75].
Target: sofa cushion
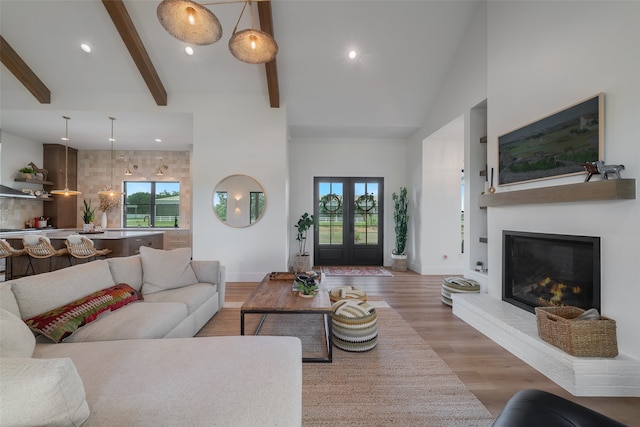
[127,270]
[38,392]
[8,300]
[59,323]
[36,294]
[138,320]
[207,381]
[16,340]
[162,270]
[192,296]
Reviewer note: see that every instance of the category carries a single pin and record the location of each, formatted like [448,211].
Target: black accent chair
[537,408]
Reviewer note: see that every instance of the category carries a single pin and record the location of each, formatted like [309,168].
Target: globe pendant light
[108,190]
[252,46]
[66,191]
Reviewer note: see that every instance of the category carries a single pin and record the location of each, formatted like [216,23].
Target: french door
[349,221]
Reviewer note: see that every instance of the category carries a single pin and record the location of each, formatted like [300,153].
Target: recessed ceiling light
[158,140]
[188,50]
[353,54]
[86,47]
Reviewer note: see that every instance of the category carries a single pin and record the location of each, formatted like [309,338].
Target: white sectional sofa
[113,369]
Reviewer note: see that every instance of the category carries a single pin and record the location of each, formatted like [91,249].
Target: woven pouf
[347,292]
[457,285]
[355,325]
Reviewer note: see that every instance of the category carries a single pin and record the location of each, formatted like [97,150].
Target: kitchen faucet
[147,219]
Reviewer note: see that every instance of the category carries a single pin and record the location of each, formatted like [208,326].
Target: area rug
[402,381]
[356,271]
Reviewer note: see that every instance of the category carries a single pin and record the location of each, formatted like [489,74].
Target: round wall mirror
[239,201]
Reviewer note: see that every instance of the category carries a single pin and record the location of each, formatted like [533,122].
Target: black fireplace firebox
[546,270]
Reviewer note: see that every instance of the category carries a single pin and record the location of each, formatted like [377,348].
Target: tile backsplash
[94,172]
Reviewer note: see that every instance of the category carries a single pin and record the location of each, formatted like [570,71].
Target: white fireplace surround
[516,330]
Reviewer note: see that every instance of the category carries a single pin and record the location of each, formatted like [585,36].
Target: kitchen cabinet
[177,239]
[63,211]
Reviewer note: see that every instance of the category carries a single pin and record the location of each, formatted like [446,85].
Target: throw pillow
[38,392]
[59,323]
[8,300]
[162,270]
[16,340]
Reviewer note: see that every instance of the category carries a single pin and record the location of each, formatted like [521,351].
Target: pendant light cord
[240,17]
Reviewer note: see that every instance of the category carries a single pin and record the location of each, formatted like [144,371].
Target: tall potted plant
[400,218]
[302,261]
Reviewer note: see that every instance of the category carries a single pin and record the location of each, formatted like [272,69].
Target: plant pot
[303,295]
[87,227]
[301,263]
[399,262]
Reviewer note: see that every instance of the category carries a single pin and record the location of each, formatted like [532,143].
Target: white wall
[239,136]
[439,210]
[463,89]
[343,158]
[564,52]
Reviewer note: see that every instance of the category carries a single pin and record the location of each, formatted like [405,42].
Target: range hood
[12,192]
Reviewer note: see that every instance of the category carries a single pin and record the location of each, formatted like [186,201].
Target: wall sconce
[161,166]
[129,165]
[237,199]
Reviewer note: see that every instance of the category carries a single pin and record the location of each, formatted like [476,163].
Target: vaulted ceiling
[405,49]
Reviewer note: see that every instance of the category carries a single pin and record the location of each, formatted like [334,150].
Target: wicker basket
[584,338]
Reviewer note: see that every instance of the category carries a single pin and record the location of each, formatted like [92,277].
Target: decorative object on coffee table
[347,292]
[355,325]
[306,285]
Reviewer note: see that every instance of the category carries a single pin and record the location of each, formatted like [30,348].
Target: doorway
[349,221]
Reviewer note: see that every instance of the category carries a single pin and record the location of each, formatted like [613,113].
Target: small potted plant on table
[88,215]
[306,285]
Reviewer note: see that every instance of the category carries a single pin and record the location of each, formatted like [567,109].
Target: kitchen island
[121,242]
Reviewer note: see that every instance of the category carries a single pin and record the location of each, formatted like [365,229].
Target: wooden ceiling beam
[266,25]
[122,20]
[23,73]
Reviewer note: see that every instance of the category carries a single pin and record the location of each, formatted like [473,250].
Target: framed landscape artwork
[556,145]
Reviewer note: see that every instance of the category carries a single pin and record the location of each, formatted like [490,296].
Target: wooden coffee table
[274,296]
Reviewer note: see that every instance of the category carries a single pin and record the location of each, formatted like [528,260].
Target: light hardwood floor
[490,372]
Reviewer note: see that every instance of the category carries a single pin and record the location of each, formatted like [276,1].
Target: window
[151,204]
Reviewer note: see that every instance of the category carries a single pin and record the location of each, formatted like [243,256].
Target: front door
[348,212]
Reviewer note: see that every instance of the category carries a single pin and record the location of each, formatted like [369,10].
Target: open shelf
[608,189]
[33,181]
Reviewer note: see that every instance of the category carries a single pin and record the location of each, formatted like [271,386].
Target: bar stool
[40,247]
[8,252]
[81,247]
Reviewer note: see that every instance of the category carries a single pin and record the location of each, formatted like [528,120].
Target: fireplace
[550,270]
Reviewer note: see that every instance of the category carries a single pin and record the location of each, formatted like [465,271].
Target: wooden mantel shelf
[609,189]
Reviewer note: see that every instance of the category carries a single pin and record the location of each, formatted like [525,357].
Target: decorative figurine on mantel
[599,168]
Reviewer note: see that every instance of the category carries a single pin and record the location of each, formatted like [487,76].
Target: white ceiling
[405,49]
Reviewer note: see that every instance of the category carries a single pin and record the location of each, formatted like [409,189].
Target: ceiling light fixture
[161,166]
[193,23]
[66,191]
[85,47]
[108,189]
[188,50]
[353,54]
[252,46]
